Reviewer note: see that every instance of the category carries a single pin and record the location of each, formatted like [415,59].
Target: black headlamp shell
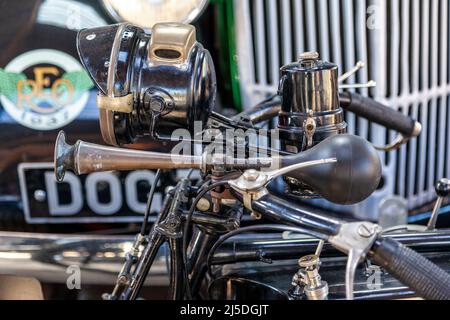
[107,52]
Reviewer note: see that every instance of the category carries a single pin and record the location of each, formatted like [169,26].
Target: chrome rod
[84,157]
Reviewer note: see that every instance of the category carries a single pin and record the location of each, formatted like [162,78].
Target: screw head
[256,216]
[366,231]
[123,279]
[203,205]
[308,261]
[157,104]
[310,55]
[251,175]
[40,195]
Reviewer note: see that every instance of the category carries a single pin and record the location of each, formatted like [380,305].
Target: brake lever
[400,140]
[355,239]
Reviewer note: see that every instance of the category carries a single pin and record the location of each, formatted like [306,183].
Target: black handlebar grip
[379,113]
[412,269]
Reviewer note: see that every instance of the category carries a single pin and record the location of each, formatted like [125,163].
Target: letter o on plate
[92,199]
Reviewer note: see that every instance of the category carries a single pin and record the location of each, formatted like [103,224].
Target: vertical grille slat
[311,25]
[349,60]
[415,49]
[260,41]
[394,48]
[448,43]
[286,32]
[336,35]
[275,42]
[361,53]
[447,157]
[434,63]
[403,163]
[431,150]
[405,46]
[424,68]
[324,30]
[379,62]
[406,51]
[299,24]
[393,74]
[443,65]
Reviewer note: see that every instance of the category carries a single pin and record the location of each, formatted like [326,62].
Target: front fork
[201,243]
[205,235]
[168,228]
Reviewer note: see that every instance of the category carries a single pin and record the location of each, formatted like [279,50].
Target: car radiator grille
[405,44]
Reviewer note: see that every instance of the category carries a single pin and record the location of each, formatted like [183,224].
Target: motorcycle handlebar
[381,114]
[412,269]
[409,267]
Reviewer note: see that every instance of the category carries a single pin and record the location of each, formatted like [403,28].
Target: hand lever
[254,180]
[443,191]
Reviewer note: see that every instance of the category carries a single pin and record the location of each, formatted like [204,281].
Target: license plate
[106,197]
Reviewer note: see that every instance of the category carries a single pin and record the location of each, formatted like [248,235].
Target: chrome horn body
[84,157]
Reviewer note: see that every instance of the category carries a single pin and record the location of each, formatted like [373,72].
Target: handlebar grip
[412,269]
[379,113]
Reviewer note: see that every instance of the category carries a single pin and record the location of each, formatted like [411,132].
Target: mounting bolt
[91,36]
[203,205]
[311,55]
[40,195]
[251,175]
[256,215]
[366,231]
[308,261]
[123,280]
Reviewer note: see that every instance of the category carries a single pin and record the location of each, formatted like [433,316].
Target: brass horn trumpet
[84,157]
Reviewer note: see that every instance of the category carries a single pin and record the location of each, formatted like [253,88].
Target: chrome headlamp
[149,83]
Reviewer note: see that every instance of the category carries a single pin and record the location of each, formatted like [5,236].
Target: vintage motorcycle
[238,227]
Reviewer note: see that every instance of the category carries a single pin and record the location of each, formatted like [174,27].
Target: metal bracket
[355,239]
[171,43]
[252,180]
[369,84]
[118,104]
[359,65]
[401,139]
[251,184]
[309,127]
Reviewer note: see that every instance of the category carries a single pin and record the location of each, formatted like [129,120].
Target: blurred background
[43,89]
